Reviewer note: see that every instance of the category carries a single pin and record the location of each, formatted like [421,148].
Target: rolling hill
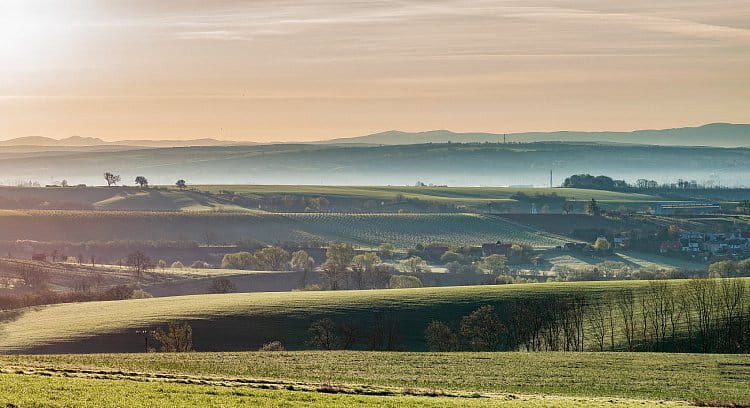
[713,134]
[453,164]
[245,321]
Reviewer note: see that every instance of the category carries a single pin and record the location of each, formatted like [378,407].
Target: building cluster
[708,245]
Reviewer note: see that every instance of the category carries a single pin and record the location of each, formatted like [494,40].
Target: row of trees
[383,334]
[113,179]
[607,183]
[703,315]
[342,269]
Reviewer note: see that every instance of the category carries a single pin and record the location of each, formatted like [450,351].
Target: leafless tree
[626,306]
[139,263]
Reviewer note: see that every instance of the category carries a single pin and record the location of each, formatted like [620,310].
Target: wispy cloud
[220,35]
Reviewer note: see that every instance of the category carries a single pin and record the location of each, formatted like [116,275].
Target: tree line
[701,315]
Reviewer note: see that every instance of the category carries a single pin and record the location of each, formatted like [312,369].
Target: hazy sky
[296,70]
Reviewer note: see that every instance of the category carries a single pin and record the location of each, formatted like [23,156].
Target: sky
[286,70]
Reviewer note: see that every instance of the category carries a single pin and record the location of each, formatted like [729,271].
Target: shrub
[440,337]
[272,346]
[222,285]
[200,265]
[385,250]
[451,256]
[723,269]
[323,334]
[140,294]
[469,269]
[310,287]
[413,264]
[504,280]
[602,245]
[119,292]
[404,282]
[177,338]
[452,267]
[482,329]
[239,260]
[495,264]
[177,265]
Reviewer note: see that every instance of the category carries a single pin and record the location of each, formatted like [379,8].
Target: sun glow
[33,34]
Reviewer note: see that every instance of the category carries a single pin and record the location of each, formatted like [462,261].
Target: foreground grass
[532,379]
[31,391]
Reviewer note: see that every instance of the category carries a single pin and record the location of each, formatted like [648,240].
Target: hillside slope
[246,321]
[402,230]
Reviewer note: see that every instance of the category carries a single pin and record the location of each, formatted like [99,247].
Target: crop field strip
[237,321]
[463,195]
[546,379]
[403,230]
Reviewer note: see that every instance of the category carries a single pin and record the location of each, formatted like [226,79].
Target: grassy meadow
[378,379]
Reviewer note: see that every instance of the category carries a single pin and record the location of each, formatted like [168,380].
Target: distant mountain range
[79,141]
[714,134]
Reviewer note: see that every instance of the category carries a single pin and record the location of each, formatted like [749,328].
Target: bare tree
[139,263]
[702,294]
[626,306]
[302,262]
[597,318]
[348,334]
[731,310]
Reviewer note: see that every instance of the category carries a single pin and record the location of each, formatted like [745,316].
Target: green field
[633,259]
[203,197]
[376,379]
[244,321]
[474,196]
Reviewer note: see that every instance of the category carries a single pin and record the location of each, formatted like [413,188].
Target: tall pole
[550,178]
